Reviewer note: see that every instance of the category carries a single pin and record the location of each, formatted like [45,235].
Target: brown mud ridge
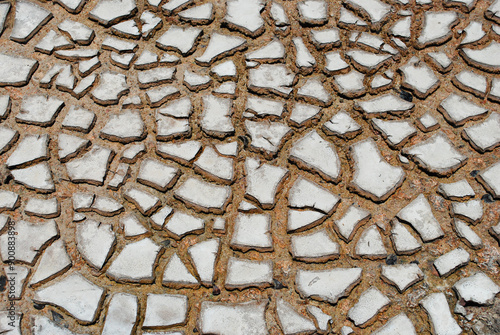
[250,167]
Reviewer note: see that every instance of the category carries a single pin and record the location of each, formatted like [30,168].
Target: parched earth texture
[250,167]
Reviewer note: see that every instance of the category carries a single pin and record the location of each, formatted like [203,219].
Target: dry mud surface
[250,167]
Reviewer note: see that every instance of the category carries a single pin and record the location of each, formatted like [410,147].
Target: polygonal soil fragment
[79,119]
[485,58]
[108,12]
[374,11]
[31,149]
[370,303]
[314,153]
[303,219]
[158,219]
[37,177]
[403,241]
[279,16]
[91,167]
[164,310]
[350,222]
[263,107]
[122,314]
[427,123]
[396,133]
[269,53]
[75,294]
[70,146]
[204,256]
[95,242]
[323,320]
[400,324]
[29,20]
[9,200]
[313,91]
[325,38]
[304,114]
[219,47]
[342,125]
[135,263]
[418,214]
[181,152]
[470,211]
[179,39]
[39,110]
[436,155]
[304,60]
[233,318]
[477,289]
[216,117]
[106,206]
[252,231]
[457,110]
[145,202]
[202,14]
[305,194]
[176,274]
[244,15]
[78,32]
[17,278]
[203,196]
[182,224]
[402,275]
[436,28]
[225,70]
[156,76]
[484,136]
[31,238]
[314,247]
[490,179]
[157,175]
[8,138]
[16,71]
[243,273]
[132,153]
[334,63]
[374,178]
[383,105]
[112,86]
[267,137]
[471,82]
[451,261]
[168,128]
[419,78]
[327,285]
[313,12]
[45,208]
[441,319]
[370,244]
[291,321]
[468,236]
[367,62]
[4,11]
[347,19]
[351,85]
[124,128]
[131,226]
[266,78]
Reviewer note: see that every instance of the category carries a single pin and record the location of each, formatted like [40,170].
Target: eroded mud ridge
[242,167]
